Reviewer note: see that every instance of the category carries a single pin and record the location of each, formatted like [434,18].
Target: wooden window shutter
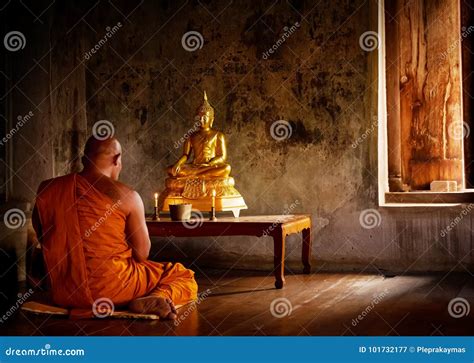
[424,93]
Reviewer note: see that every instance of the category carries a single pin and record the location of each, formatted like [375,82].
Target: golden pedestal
[198,192]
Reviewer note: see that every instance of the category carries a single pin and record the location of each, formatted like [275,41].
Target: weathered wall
[320,80]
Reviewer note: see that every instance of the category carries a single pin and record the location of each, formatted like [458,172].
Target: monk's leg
[176,287]
[178,284]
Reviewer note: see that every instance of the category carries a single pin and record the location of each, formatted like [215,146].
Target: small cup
[180,212]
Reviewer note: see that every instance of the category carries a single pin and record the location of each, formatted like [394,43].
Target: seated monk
[95,241]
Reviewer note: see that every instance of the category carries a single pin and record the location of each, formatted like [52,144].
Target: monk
[96,245]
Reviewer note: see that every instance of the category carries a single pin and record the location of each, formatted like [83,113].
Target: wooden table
[276,226]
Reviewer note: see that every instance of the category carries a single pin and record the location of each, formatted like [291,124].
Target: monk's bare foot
[160,306]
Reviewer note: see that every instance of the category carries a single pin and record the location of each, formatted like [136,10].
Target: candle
[156,200]
[213,198]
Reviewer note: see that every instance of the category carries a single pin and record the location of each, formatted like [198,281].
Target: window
[424,98]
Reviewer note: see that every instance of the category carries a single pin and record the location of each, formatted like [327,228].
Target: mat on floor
[45,309]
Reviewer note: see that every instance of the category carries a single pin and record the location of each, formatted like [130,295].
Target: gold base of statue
[198,192]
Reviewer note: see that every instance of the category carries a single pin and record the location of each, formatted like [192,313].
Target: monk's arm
[35,269]
[36,225]
[35,219]
[136,230]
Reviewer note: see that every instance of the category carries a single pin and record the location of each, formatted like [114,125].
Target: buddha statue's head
[205,114]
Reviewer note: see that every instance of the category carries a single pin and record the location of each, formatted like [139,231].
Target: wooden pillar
[393,97]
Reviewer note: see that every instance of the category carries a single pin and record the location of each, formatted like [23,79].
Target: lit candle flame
[213,193]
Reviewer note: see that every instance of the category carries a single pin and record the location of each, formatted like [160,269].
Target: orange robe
[82,233]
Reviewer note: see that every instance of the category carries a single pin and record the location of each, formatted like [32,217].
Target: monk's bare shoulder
[122,188]
[121,191]
[129,198]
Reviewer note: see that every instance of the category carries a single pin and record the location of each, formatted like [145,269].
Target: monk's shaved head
[103,155]
[96,148]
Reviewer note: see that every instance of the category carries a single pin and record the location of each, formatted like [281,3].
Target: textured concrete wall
[319,79]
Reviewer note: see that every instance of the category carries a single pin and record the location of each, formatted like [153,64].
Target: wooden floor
[319,304]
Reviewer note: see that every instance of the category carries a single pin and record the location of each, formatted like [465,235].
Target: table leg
[279,258]
[306,251]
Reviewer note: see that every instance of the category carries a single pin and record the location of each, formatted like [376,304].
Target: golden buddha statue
[193,180]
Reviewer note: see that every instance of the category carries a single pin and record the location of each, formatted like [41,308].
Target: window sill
[427,198]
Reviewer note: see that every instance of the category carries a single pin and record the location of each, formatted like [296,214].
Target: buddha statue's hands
[216,161]
[175,169]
